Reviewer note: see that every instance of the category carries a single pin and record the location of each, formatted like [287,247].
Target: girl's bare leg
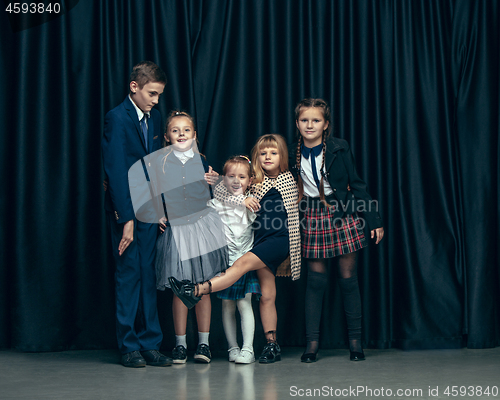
[271,351]
[247,262]
[267,302]
[203,314]
[180,313]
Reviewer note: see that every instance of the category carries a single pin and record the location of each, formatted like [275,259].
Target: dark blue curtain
[413,86]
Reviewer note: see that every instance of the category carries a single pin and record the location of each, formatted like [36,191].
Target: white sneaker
[246,357]
[234,352]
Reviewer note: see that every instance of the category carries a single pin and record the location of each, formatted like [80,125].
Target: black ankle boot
[271,353]
[357,356]
[308,357]
[310,353]
[356,350]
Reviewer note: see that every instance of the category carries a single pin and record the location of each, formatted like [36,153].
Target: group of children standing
[235,236]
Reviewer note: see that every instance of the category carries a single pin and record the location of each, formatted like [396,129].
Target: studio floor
[96,374]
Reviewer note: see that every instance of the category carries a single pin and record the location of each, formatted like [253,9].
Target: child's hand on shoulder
[252,204]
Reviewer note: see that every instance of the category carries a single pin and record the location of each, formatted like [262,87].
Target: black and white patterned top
[286,186]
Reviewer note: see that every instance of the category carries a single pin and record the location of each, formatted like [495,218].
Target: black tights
[317,281]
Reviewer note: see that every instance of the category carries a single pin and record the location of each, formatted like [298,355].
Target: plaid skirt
[248,283]
[323,236]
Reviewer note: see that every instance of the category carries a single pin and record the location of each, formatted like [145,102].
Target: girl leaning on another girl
[276,238]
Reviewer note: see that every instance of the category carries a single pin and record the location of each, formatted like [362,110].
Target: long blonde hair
[272,140]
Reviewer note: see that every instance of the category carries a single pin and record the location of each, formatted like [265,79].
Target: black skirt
[271,241]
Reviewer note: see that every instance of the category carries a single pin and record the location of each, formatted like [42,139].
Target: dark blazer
[135,277]
[122,145]
[341,172]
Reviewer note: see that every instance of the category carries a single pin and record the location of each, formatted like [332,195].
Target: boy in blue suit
[131,131]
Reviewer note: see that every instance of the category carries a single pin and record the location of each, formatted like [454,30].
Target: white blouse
[310,188]
[237,228]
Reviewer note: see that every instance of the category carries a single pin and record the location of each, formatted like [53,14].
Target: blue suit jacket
[122,145]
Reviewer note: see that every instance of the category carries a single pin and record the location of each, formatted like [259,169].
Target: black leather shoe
[133,360]
[308,357]
[156,359]
[270,353]
[357,356]
[185,291]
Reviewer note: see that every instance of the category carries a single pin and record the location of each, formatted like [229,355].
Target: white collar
[184,155]
[140,113]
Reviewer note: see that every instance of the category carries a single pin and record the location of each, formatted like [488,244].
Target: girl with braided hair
[330,193]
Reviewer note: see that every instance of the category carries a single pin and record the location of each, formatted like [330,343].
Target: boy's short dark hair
[147,71]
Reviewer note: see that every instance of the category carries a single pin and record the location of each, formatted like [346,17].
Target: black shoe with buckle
[202,354]
[184,290]
[270,353]
[133,360]
[156,359]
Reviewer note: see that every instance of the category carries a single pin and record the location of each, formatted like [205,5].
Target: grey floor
[424,374]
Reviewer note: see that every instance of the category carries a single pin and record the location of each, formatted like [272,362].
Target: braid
[300,183]
[322,183]
[323,105]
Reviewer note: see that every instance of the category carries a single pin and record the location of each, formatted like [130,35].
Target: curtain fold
[413,86]
[475,55]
